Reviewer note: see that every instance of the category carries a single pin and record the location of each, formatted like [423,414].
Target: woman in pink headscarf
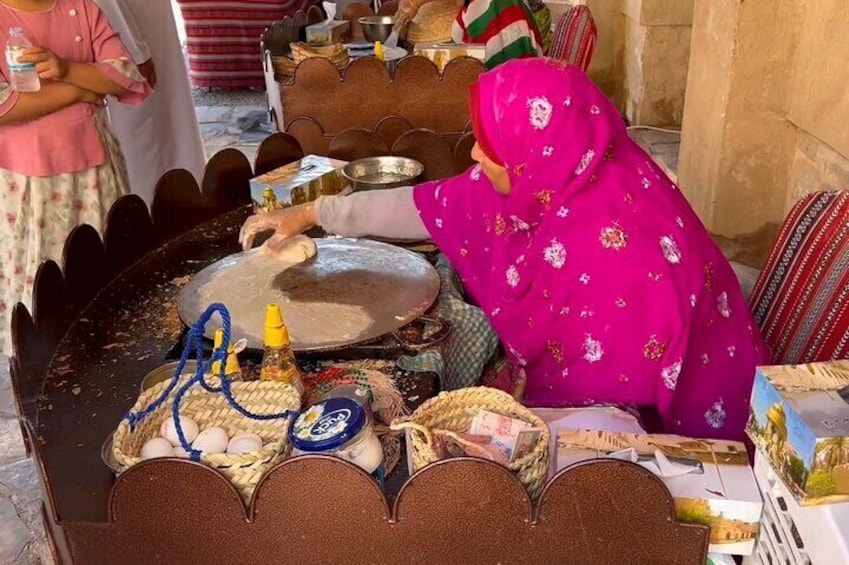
[591,266]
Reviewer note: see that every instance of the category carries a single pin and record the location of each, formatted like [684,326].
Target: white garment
[162,133]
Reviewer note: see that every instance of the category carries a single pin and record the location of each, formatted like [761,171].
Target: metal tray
[352,292]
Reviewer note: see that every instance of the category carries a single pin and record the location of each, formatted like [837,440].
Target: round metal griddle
[351,292]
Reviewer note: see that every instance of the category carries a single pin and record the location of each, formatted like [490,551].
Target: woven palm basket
[210,409]
[454,411]
[433,22]
[336,53]
[284,67]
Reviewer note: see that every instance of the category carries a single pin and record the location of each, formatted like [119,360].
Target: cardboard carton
[800,422]
[710,481]
[297,183]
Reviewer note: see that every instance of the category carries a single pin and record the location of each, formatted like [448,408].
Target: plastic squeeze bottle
[278,361]
[22,76]
[232,370]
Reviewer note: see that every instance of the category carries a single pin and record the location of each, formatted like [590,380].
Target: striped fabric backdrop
[222,39]
[575,37]
[801,299]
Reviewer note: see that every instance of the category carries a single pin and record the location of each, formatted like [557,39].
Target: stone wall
[642,57]
[765,114]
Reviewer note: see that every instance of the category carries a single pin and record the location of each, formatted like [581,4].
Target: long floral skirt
[38,213]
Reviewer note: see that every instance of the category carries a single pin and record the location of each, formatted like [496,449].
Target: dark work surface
[130,328]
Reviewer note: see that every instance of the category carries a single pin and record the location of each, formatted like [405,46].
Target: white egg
[244,443]
[169,431]
[157,447]
[211,440]
[180,452]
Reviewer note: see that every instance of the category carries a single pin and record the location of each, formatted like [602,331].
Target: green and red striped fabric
[505,27]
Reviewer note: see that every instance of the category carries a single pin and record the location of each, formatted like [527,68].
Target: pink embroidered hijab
[595,272]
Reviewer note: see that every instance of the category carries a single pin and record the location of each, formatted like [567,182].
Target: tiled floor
[237,119]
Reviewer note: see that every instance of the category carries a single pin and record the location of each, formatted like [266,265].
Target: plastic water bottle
[23,76]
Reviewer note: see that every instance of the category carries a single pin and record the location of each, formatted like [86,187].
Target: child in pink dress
[60,166]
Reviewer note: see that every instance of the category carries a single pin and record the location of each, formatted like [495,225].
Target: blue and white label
[12,56]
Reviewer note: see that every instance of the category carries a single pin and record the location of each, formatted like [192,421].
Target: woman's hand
[148,71]
[407,10]
[285,223]
[47,64]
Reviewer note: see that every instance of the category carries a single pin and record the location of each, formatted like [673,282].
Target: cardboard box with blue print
[710,481]
[799,419]
[297,183]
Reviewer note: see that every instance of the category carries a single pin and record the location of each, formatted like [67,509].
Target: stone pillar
[642,57]
[765,114]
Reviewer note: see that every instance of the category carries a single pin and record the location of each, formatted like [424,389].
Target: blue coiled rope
[194,340]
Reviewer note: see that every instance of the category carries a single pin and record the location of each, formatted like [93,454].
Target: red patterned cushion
[575,37]
[801,299]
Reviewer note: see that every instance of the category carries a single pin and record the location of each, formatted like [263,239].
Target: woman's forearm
[89,77]
[33,105]
[389,214]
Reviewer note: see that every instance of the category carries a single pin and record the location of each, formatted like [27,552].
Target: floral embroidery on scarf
[722,305]
[555,254]
[437,191]
[595,110]
[693,300]
[475,175]
[512,276]
[547,151]
[565,311]
[519,224]
[613,237]
[593,351]
[705,359]
[562,212]
[708,276]
[621,303]
[520,259]
[680,222]
[556,351]
[495,312]
[585,162]
[654,349]
[546,294]
[544,196]
[670,250]
[646,183]
[715,415]
[655,277]
[540,112]
[463,252]
[567,101]
[629,198]
[586,313]
[732,351]
[585,279]
[438,222]
[518,170]
[670,374]
[500,225]
[565,372]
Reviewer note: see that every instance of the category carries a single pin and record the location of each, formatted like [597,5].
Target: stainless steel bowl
[377,28]
[165,372]
[375,173]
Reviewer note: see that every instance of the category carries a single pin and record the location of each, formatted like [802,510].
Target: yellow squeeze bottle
[232,370]
[278,361]
[378,51]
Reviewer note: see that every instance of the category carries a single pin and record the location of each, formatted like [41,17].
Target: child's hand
[91,97]
[48,65]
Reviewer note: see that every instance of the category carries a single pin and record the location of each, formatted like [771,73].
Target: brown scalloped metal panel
[276,150]
[417,94]
[353,144]
[127,240]
[310,136]
[463,152]
[324,510]
[430,149]
[226,180]
[84,264]
[391,128]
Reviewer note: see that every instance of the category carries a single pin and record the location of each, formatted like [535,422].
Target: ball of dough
[294,249]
